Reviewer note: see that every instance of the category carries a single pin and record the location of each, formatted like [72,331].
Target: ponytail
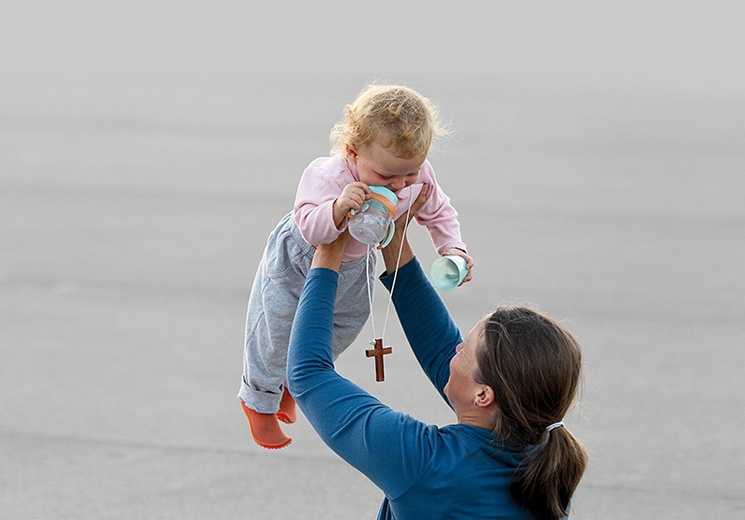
[533,365]
[546,480]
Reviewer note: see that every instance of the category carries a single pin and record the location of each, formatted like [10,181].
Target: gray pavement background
[133,212]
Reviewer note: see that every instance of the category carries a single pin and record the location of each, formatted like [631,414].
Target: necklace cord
[395,275]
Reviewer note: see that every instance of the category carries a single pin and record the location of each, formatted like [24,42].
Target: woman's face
[461,387]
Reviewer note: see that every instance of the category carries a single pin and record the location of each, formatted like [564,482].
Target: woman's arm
[426,321]
[399,244]
[389,447]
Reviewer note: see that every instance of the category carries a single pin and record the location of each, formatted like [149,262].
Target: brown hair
[398,118]
[533,365]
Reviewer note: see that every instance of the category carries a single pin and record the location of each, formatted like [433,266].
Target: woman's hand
[399,242]
[330,255]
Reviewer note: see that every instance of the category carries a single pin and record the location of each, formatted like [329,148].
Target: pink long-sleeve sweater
[325,178]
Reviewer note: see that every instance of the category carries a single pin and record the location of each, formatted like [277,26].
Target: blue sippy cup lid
[385,192]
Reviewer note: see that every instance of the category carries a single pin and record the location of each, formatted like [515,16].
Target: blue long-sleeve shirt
[457,471]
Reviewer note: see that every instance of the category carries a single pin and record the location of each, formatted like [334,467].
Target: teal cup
[447,272]
[373,223]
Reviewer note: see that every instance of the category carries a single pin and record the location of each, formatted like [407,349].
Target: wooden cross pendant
[378,352]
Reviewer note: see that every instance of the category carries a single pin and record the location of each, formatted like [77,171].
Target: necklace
[378,351]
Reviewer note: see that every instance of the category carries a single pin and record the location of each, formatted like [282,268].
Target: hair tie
[554,426]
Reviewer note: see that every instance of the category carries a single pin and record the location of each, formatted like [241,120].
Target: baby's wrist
[339,212]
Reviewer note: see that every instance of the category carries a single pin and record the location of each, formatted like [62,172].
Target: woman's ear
[485,397]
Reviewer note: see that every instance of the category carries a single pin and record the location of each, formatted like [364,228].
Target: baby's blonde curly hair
[398,118]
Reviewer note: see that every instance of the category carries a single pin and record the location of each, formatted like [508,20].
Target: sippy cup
[373,223]
[447,272]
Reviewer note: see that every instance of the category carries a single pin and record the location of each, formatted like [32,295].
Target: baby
[383,140]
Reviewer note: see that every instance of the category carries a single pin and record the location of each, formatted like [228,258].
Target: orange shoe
[265,429]
[287,412]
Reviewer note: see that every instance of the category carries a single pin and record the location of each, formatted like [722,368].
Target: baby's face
[378,167]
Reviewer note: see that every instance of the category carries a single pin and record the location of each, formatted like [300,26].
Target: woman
[510,382]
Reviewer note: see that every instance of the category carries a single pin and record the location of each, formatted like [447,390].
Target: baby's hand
[352,197]
[469,262]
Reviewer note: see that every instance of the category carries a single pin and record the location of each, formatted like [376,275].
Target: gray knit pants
[271,309]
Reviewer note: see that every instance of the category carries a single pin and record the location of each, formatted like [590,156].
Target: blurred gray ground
[133,212]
